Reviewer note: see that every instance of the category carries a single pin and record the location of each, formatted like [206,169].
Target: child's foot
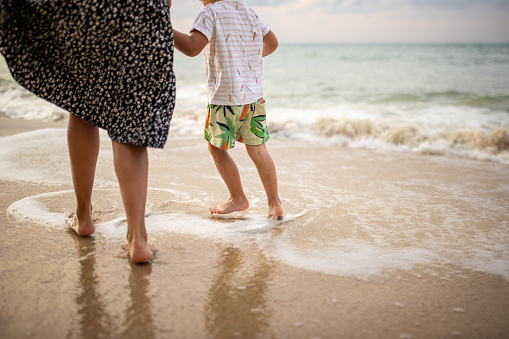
[140,252]
[230,206]
[276,211]
[84,227]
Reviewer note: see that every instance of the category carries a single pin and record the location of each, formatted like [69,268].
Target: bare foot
[230,206]
[276,211]
[140,252]
[84,228]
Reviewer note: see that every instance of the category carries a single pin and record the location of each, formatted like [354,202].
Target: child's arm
[270,43]
[191,45]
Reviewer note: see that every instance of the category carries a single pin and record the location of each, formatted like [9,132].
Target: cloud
[458,3]
[261,3]
[380,5]
[356,6]
[373,20]
[445,3]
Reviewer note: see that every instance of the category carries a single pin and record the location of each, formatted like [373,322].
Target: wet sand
[55,284]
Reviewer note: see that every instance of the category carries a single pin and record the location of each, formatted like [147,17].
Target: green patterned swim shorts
[243,123]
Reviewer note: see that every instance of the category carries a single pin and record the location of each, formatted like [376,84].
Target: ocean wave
[474,143]
[476,138]
[18,103]
[410,135]
[491,102]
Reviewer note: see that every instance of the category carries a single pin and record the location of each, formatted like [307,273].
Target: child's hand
[169,3]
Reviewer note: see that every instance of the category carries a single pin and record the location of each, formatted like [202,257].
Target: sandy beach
[374,245]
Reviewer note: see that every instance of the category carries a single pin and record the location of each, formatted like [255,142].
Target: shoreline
[9,126]
[55,284]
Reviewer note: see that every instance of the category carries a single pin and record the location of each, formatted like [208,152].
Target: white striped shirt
[234,52]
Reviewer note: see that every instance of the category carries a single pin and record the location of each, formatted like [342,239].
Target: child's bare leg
[131,167]
[231,176]
[267,171]
[83,143]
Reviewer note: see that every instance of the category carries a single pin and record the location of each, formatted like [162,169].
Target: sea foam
[351,257]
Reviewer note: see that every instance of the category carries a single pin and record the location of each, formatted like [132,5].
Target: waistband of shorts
[260,101]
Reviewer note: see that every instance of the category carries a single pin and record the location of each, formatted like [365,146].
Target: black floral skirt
[109,62]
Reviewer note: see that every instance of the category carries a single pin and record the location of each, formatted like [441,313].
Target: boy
[235,39]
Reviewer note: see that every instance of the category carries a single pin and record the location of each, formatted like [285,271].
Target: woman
[109,63]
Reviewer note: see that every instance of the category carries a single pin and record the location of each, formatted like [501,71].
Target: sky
[372,21]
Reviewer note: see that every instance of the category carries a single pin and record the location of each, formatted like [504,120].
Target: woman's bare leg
[131,167]
[83,143]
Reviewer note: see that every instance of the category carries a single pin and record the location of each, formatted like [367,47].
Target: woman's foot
[83,226]
[140,251]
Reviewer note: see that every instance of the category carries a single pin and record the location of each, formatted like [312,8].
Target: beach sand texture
[373,245]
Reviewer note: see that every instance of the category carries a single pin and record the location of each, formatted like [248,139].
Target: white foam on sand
[32,209]
[232,229]
[350,257]
[356,258]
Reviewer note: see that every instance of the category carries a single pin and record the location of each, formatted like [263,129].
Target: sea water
[448,99]
[444,99]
